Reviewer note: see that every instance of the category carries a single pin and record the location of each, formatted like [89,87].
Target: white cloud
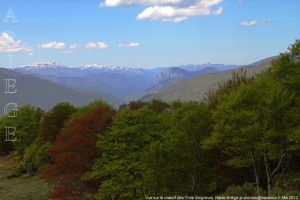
[249,23]
[53,45]
[59,45]
[170,10]
[129,45]
[73,46]
[102,45]
[9,45]
[267,20]
[91,45]
[219,11]
[115,3]
[96,45]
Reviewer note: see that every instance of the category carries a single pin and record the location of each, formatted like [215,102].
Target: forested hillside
[243,140]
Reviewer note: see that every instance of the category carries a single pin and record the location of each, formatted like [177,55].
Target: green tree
[214,97]
[120,166]
[29,158]
[54,121]
[177,164]
[295,49]
[256,122]
[5,146]
[26,124]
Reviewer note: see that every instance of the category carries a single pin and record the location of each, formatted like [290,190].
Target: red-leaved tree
[73,154]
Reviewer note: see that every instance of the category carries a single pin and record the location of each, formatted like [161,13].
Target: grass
[20,188]
[8,166]
[24,188]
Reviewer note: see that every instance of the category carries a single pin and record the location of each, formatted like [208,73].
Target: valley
[118,81]
[47,83]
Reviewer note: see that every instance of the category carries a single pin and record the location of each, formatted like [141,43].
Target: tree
[47,130]
[25,123]
[120,165]
[158,106]
[54,121]
[256,123]
[29,158]
[73,153]
[214,97]
[5,147]
[177,164]
[135,105]
[295,49]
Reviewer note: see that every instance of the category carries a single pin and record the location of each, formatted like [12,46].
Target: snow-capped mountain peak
[44,65]
[93,66]
[105,68]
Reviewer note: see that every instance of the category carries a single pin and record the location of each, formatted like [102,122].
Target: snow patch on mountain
[105,68]
[44,65]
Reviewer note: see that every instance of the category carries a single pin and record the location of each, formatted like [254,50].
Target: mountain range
[117,81]
[48,83]
[44,93]
[175,74]
[195,89]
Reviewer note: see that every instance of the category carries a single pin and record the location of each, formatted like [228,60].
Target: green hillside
[195,89]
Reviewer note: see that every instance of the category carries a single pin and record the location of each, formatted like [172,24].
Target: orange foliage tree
[73,154]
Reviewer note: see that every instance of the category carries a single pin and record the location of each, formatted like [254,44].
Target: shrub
[248,189]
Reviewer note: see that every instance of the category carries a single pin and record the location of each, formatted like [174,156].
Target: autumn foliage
[73,152]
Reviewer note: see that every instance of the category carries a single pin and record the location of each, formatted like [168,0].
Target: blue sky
[146,33]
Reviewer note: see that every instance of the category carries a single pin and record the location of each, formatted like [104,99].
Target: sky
[145,33]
